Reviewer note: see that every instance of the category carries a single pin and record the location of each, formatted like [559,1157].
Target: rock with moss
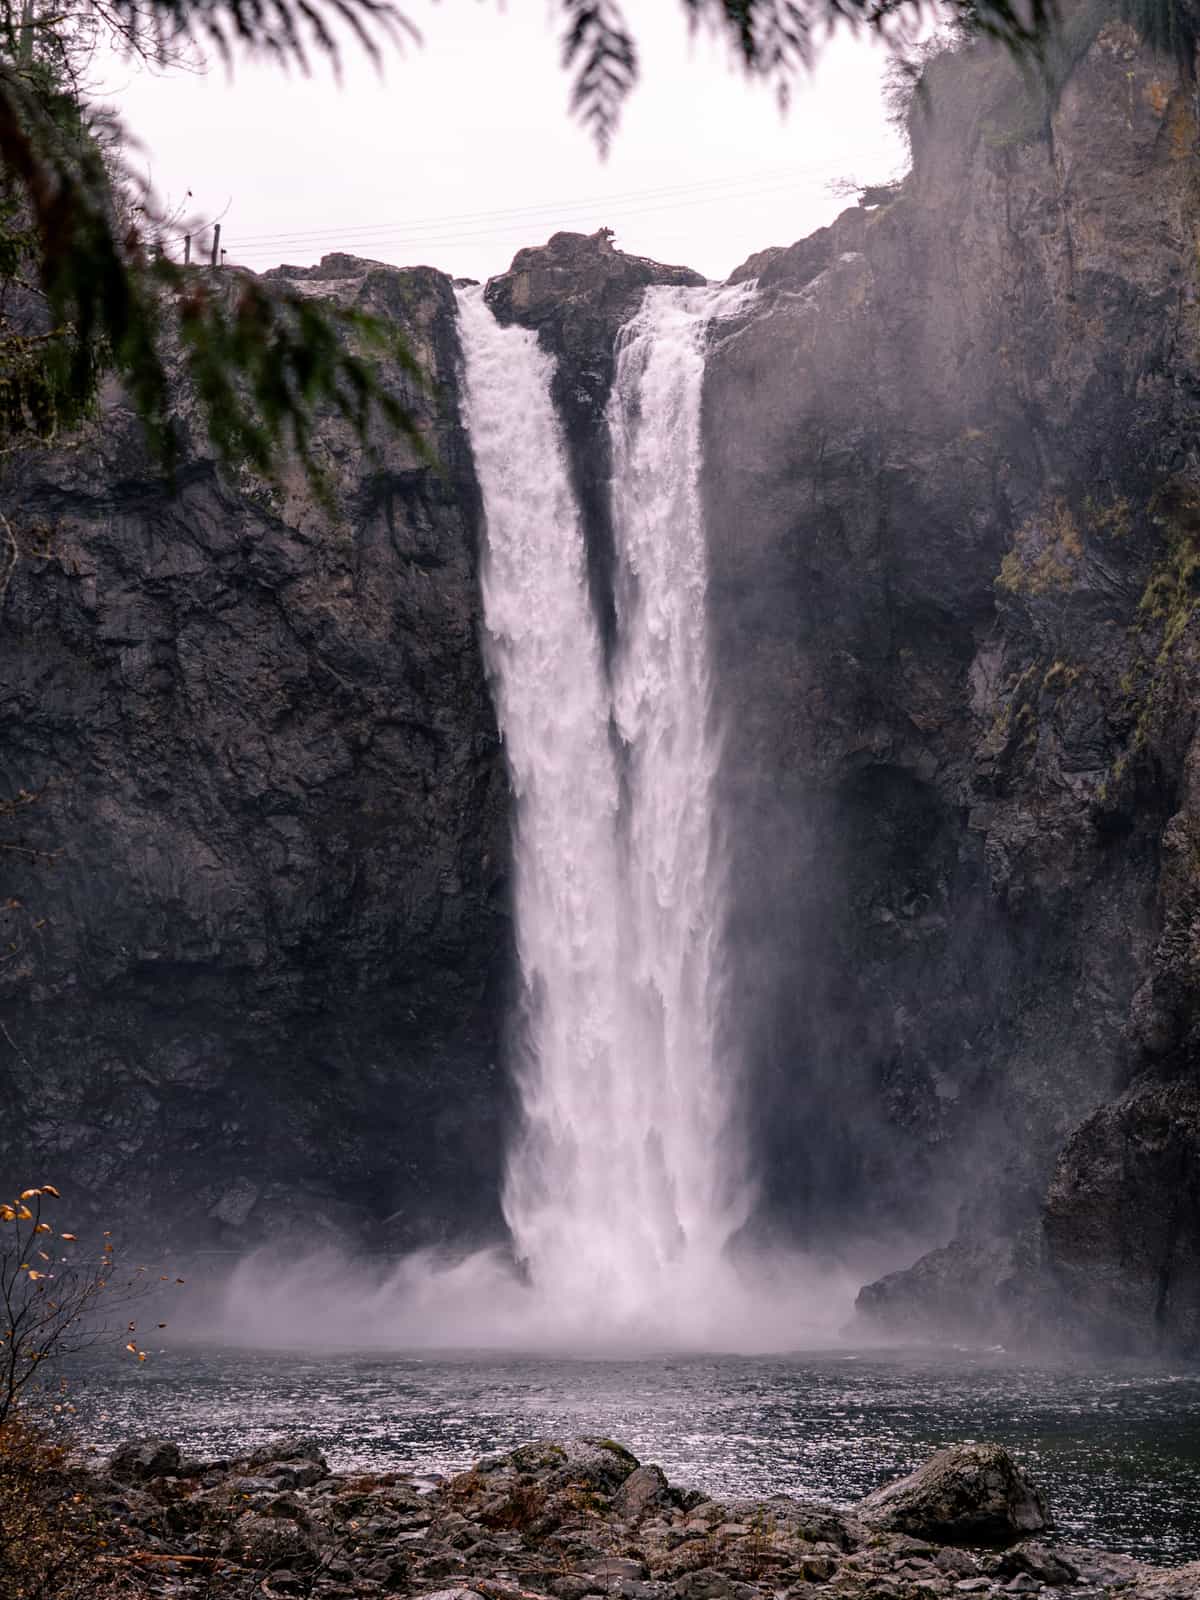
[973,1494]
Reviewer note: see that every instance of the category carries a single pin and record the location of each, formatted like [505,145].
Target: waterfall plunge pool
[1116,1448]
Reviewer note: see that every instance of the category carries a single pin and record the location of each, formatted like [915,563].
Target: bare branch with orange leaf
[54,1292]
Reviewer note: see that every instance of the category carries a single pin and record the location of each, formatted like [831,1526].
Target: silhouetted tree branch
[88,245]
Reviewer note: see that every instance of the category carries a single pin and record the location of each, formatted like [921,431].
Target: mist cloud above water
[764,1303]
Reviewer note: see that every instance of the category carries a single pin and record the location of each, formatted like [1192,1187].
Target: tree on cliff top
[86,284]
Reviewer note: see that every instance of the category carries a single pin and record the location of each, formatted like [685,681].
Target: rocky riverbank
[578,1518]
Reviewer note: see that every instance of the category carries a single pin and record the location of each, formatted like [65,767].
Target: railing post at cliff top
[216,245]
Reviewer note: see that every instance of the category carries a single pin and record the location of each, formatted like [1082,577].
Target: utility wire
[441,228]
[516,230]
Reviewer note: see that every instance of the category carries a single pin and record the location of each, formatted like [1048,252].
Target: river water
[1116,1448]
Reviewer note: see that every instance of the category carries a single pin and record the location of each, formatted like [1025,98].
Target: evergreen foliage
[86,284]
[1171,27]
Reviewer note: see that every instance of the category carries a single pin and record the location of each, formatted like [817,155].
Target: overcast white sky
[463,150]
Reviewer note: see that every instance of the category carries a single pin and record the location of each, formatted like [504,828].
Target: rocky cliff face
[578,292]
[257,940]
[255,933]
[951,463]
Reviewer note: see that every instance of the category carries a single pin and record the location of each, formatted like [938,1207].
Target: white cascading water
[626,1181]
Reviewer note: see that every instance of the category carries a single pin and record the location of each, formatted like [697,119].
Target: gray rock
[1183,1583]
[957,1563]
[945,1294]
[558,1464]
[276,717]
[236,1204]
[645,1489]
[1039,1561]
[1122,1223]
[578,290]
[266,1542]
[704,1584]
[934,764]
[614,1568]
[967,1494]
[294,1448]
[452,1594]
[574,1586]
[145,1458]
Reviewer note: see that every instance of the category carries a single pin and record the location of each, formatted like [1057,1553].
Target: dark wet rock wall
[257,953]
[256,933]
[950,464]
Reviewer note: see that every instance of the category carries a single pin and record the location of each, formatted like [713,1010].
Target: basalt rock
[644,1490]
[578,291]
[256,927]
[952,473]
[255,921]
[1122,1221]
[968,1494]
[139,1459]
[352,1537]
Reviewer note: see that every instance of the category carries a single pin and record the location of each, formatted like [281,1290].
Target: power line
[515,232]
[527,215]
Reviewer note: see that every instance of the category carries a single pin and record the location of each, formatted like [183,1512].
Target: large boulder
[290,1463]
[645,1489]
[583,271]
[271,1542]
[140,1459]
[1122,1221]
[967,1494]
[951,1292]
[598,1464]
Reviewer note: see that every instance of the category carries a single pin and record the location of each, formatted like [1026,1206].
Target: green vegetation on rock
[1046,552]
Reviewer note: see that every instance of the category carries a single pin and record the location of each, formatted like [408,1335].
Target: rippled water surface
[1116,1448]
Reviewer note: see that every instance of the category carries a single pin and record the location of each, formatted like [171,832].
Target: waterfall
[625,1182]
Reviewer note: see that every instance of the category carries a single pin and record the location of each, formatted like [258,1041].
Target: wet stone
[345,1537]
